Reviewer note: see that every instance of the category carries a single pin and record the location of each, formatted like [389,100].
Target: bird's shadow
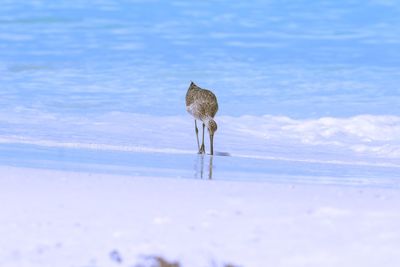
[223,154]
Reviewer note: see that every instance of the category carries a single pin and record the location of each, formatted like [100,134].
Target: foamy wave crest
[377,135]
[364,138]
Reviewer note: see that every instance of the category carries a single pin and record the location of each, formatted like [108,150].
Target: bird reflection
[210,168]
[199,170]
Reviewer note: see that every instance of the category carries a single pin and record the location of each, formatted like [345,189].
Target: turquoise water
[300,59]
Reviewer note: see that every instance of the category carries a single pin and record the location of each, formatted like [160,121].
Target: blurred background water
[302,59]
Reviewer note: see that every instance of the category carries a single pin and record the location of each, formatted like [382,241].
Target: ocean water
[312,86]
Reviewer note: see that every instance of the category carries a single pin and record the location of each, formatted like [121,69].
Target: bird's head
[212,128]
[211,125]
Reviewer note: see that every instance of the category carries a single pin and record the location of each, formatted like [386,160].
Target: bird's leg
[197,134]
[202,149]
[211,144]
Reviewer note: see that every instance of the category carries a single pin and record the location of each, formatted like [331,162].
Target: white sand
[55,218]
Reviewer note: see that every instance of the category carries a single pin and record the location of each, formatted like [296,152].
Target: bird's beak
[211,144]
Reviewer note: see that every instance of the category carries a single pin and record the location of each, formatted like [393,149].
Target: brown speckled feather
[201,103]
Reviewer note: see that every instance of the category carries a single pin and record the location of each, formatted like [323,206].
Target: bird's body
[202,104]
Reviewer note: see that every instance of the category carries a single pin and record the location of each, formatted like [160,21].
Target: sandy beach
[62,218]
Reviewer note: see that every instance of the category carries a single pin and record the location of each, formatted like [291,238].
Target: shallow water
[192,166]
[292,79]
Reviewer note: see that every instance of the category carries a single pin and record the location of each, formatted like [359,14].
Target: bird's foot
[202,150]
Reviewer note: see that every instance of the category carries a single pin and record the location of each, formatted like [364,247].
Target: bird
[202,104]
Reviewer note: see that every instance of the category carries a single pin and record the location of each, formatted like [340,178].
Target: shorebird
[202,104]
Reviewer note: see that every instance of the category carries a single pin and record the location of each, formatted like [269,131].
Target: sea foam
[363,138]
